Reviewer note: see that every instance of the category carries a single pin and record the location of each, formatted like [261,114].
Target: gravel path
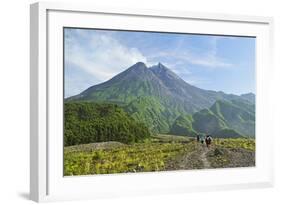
[206,163]
[212,157]
[196,159]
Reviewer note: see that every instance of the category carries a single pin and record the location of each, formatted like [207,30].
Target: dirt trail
[215,156]
[196,159]
[204,159]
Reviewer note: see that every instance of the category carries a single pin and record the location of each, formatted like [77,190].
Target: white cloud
[99,54]
[207,58]
[197,81]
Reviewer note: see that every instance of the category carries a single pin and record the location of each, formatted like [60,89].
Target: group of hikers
[204,139]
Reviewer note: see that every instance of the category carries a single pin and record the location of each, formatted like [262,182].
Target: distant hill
[205,121]
[237,115]
[222,119]
[157,97]
[249,97]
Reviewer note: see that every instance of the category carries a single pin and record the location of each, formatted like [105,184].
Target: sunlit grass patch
[139,157]
[244,143]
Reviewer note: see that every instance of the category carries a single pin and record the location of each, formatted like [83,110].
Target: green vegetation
[243,143]
[132,123]
[183,126]
[102,138]
[204,121]
[162,152]
[207,122]
[233,118]
[92,122]
[224,119]
[172,138]
[238,115]
[159,115]
[227,133]
[165,103]
[149,111]
[139,157]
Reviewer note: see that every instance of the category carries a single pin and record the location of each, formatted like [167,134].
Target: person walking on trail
[202,140]
[198,138]
[208,140]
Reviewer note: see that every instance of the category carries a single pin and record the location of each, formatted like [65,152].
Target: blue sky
[220,63]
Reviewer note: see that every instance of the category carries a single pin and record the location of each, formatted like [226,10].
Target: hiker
[202,139]
[198,138]
[208,140]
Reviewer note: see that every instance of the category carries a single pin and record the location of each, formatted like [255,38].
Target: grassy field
[244,143]
[163,152]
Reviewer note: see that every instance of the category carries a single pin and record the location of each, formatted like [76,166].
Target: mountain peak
[137,68]
[139,65]
[163,72]
[158,68]
[161,65]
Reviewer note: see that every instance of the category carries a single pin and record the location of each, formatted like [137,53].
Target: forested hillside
[93,122]
[223,119]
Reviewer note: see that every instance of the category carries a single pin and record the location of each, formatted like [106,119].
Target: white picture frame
[46,178]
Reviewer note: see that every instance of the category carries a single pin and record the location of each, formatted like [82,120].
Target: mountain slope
[222,119]
[183,126]
[205,121]
[155,96]
[249,97]
[151,112]
[157,81]
[237,115]
[134,82]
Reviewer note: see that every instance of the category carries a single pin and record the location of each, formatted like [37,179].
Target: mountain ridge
[223,119]
[162,76]
[155,95]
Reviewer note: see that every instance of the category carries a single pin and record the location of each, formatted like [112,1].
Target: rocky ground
[213,157]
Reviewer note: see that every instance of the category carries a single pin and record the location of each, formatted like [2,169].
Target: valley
[147,119]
